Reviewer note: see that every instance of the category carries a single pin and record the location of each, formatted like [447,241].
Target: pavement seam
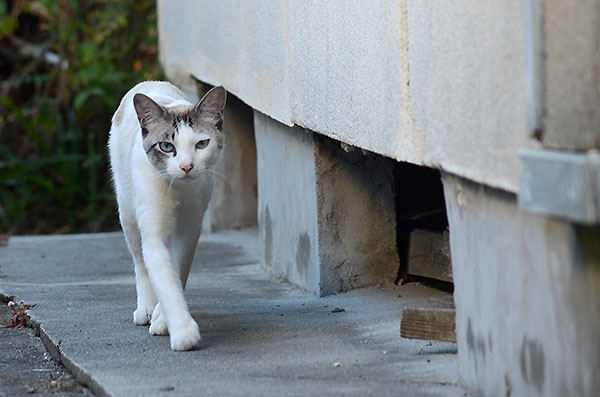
[53,349]
[359,378]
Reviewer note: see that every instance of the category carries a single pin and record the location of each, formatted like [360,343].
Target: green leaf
[8,26]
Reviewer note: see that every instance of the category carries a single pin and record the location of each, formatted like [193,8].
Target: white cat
[162,150]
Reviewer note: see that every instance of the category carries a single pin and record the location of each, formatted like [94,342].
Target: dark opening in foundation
[422,227]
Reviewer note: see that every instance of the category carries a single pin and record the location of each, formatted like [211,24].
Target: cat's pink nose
[187,168]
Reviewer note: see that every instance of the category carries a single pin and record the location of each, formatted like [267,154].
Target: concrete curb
[53,348]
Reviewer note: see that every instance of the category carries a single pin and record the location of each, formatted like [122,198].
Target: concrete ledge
[560,184]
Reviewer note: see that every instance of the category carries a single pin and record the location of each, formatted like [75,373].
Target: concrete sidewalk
[260,336]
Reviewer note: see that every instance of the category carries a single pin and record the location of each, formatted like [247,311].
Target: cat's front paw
[185,337]
[142,315]
[158,324]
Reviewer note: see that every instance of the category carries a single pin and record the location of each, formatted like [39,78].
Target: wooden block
[429,255]
[429,323]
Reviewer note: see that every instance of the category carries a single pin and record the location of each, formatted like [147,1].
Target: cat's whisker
[221,178]
[217,174]
[212,174]
[170,184]
[206,184]
[164,173]
[167,176]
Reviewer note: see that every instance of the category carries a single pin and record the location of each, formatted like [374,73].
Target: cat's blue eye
[166,147]
[202,144]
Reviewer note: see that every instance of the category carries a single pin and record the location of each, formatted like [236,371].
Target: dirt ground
[26,369]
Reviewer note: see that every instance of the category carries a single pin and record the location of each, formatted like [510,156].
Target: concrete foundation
[334,209]
[287,202]
[527,295]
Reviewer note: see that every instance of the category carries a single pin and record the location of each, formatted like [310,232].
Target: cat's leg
[146,300]
[165,278]
[184,249]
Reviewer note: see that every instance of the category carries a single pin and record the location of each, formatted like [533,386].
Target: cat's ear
[211,106]
[147,110]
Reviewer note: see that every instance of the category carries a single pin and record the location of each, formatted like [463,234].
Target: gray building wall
[456,98]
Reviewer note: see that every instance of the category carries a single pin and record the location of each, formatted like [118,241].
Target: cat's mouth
[180,178]
[187,177]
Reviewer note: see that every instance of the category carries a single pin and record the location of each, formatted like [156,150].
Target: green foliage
[65,64]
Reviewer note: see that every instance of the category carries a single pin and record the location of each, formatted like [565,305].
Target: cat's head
[182,142]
